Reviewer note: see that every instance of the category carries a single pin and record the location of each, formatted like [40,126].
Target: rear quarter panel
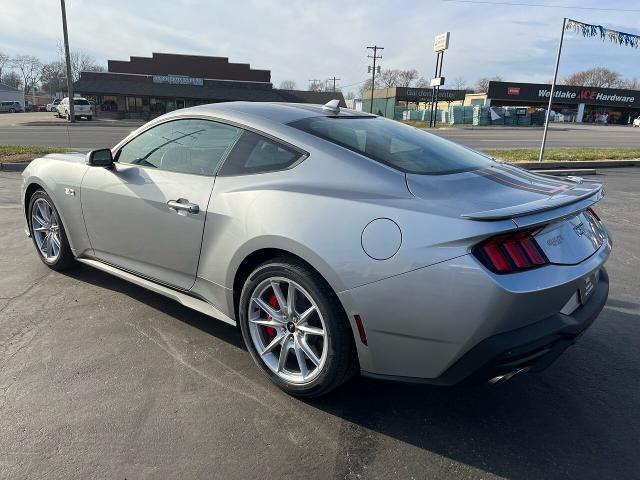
[318,211]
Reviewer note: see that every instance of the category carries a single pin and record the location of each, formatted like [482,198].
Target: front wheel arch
[30,190]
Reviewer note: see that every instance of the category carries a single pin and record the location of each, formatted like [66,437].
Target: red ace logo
[587,95]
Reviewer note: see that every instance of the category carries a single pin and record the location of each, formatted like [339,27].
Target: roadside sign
[437,82]
[441,42]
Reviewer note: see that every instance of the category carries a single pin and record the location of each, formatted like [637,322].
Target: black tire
[341,363]
[90,118]
[66,259]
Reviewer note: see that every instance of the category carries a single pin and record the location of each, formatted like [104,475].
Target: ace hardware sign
[566,94]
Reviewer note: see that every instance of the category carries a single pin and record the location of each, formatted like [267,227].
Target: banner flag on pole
[614,36]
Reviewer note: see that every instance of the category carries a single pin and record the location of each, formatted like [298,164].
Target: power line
[356,83]
[522,4]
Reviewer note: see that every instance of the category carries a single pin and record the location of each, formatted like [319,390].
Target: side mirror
[100,158]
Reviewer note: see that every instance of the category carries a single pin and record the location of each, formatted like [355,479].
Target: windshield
[402,147]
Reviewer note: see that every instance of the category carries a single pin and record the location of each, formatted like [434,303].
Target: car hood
[74,157]
[498,192]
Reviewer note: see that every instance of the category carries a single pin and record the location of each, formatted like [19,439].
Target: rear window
[399,146]
[80,102]
[254,153]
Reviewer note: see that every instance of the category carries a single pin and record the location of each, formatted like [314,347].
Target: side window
[254,153]
[186,146]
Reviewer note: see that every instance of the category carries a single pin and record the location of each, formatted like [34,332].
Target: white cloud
[301,40]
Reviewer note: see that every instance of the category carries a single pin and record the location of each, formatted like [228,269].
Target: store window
[109,103]
[158,106]
[134,104]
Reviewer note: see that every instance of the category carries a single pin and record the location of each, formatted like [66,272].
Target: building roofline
[9,88]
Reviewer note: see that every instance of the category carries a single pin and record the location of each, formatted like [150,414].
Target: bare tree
[4,58]
[287,85]
[53,77]
[407,77]
[12,79]
[29,67]
[366,87]
[388,77]
[632,84]
[317,86]
[423,83]
[482,85]
[595,77]
[80,62]
[459,83]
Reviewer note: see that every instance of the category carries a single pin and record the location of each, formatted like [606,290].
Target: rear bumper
[533,347]
[530,348]
[420,324]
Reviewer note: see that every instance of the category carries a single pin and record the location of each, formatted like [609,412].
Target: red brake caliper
[271,332]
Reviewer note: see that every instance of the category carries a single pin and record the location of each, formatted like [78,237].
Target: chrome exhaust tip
[498,379]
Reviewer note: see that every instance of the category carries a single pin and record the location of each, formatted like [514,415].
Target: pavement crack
[24,292]
[171,351]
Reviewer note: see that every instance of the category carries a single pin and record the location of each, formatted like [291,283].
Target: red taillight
[511,252]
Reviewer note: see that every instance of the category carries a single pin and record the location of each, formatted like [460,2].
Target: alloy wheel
[46,230]
[287,330]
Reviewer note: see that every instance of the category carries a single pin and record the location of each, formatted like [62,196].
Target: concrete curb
[566,172]
[550,165]
[13,166]
[97,123]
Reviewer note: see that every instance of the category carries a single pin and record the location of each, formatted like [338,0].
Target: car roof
[272,111]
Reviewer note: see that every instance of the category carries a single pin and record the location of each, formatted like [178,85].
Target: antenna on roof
[332,105]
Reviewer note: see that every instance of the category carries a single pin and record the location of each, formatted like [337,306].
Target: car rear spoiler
[591,190]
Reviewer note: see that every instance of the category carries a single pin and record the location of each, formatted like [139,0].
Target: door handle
[183,205]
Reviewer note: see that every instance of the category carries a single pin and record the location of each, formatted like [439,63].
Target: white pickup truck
[81,107]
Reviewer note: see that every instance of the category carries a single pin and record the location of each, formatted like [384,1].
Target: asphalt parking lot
[102,379]
[100,134]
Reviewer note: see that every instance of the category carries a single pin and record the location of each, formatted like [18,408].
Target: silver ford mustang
[339,242]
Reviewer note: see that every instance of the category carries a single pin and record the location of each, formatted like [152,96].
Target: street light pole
[72,116]
[553,89]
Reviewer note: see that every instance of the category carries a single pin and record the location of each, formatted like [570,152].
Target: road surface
[87,136]
[102,379]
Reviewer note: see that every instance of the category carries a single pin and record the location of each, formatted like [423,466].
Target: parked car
[81,106]
[339,242]
[53,106]
[11,107]
[636,122]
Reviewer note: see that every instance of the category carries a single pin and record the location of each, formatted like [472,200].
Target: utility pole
[334,82]
[375,57]
[72,116]
[313,82]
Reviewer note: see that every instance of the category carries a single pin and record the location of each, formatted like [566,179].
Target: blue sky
[301,40]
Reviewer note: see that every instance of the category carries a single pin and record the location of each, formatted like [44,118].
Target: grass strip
[564,154]
[25,153]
